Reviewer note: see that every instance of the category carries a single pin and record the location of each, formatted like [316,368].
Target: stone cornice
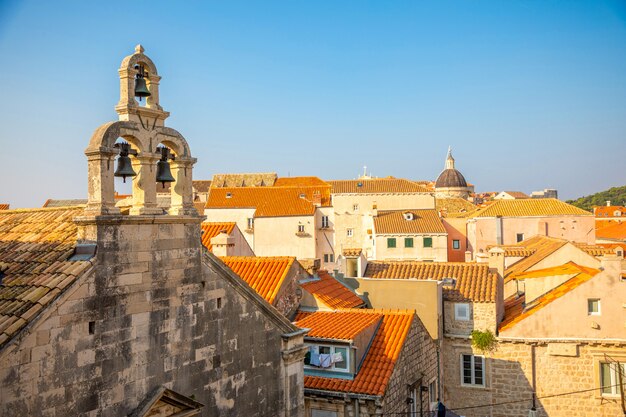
[141,219]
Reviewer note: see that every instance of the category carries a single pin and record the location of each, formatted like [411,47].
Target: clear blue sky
[530,94]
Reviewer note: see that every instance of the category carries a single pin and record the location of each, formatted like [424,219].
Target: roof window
[408,216]
[229,195]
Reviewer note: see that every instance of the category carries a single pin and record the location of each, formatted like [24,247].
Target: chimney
[499,238]
[223,244]
[317,198]
[468,256]
[375,210]
[496,260]
[608,203]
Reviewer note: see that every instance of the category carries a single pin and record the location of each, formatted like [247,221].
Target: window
[456,244]
[609,377]
[355,207]
[300,228]
[349,232]
[391,242]
[325,222]
[428,242]
[593,306]
[461,311]
[472,370]
[229,195]
[322,413]
[332,257]
[325,258]
[408,242]
[432,393]
[250,223]
[329,257]
[332,358]
[520,237]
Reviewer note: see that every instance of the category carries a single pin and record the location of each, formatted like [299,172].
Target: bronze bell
[124,166]
[164,174]
[141,89]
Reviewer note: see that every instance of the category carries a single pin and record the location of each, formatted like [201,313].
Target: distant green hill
[616,195]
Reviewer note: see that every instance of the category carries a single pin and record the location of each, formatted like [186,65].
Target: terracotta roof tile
[377,186]
[609,211]
[594,250]
[352,252]
[212,229]
[35,245]
[264,274]
[300,182]
[515,309]
[395,222]
[539,247]
[569,268]
[201,186]
[4,206]
[338,325]
[473,280]
[531,207]
[331,292]
[375,372]
[254,179]
[51,203]
[615,231]
[454,207]
[517,194]
[271,201]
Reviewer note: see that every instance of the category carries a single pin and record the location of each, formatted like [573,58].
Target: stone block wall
[482,317]
[417,364]
[150,313]
[560,368]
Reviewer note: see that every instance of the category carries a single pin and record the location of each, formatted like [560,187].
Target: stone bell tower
[143,128]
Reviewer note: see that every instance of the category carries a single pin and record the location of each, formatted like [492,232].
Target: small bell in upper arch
[164,174]
[141,89]
[124,166]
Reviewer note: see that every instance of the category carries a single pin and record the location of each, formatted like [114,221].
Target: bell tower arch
[143,127]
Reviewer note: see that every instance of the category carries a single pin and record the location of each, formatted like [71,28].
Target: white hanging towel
[337,357]
[325,360]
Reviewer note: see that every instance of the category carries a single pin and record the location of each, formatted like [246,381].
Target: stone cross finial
[139,49]
[449,159]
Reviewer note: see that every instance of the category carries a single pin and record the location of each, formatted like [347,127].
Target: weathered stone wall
[151,313]
[560,368]
[417,364]
[482,317]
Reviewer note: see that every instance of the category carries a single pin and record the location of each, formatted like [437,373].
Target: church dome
[450,177]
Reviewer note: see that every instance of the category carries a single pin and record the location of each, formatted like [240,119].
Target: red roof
[264,274]
[331,292]
[212,229]
[380,360]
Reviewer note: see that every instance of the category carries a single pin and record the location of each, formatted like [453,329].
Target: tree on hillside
[616,195]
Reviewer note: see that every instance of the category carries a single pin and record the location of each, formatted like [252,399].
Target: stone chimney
[608,203]
[468,256]
[496,260]
[223,244]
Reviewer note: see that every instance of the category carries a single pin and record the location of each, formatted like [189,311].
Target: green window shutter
[391,242]
[428,242]
[408,242]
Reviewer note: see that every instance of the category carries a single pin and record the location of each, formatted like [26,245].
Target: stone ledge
[138,219]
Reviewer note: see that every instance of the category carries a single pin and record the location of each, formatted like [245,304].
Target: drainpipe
[499,239]
[357,412]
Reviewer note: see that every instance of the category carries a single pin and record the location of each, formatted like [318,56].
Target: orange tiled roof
[338,324]
[515,309]
[376,186]
[35,245]
[531,207]
[451,207]
[473,280]
[50,203]
[541,247]
[4,206]
[395,222]
[270,201]
[300,182]
[264,274]
[331,292]
[378,365]
[352,252]
[517,194]
[616,231]
[609,211]
[212,229]
[594,250]
[569,268]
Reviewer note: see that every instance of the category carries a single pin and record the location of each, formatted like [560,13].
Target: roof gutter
[343,395]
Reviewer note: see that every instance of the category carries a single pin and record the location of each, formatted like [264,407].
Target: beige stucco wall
[276,236]
[325,238]
[361,220]
[570,311]
[438,252]
[560,367]
[239,216]
[420,295]
[482,230]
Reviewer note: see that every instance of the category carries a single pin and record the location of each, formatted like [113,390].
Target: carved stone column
[182,191]
[144,185]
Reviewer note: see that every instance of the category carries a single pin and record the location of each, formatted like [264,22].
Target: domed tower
[451,183]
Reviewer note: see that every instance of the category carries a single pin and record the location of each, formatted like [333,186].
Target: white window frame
[473,370]
[613,387]
[300,228]
[349,232]
[250,222]
[458,244]
[332,367]
[594,313]
[457,309]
